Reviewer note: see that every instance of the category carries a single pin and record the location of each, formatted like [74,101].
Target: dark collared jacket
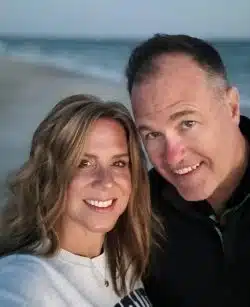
[203,261]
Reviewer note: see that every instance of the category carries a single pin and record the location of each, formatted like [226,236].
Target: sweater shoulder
[20,276]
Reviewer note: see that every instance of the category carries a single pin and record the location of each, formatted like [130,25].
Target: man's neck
[219,199]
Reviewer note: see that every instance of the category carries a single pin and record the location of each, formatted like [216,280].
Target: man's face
[189,128]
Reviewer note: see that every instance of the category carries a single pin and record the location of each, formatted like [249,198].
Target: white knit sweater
[64,280]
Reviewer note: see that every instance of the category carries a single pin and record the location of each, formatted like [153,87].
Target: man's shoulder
[245,126]
[157,186]
[163,193]
[157,182]
[155,177]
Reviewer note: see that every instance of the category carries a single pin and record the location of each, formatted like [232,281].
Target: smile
[186,170]
[99,203]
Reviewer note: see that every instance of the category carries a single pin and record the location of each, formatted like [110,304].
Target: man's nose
[174,151]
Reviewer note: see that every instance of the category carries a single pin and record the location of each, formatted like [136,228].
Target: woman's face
[100,189]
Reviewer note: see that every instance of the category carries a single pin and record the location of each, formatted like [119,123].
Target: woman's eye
[121,163]
[84,164]
[152,135]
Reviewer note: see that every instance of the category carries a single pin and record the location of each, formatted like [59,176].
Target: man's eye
[84,164]
[152,135]
[187,124]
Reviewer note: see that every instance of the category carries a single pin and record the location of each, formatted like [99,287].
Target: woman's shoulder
[21,271]
[19,277]
[19,263]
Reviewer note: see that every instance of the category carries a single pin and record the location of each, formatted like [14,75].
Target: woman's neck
[79,241]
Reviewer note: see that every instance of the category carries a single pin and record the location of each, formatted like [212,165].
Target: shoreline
[54,70]
[28,91]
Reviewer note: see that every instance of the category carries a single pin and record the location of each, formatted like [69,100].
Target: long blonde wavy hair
[37,190]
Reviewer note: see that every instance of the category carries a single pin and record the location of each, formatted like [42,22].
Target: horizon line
[102,37]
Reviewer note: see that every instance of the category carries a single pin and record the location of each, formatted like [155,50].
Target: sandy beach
[27,93]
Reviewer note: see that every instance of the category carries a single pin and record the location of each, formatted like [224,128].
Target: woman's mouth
[100,203]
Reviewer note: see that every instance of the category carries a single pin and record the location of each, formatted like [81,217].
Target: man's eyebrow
[179,114]
[88,155]
[172,117]
[143,128]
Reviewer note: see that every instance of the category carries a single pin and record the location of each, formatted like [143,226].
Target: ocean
[104,59]
[107,58]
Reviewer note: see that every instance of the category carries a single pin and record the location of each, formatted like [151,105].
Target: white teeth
[99,203]
[185,170]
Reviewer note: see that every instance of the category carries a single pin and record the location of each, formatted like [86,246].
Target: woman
[78,225]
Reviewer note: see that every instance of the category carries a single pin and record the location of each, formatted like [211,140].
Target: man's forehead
[145,99]
[148,110]
[163,92]
[148,102]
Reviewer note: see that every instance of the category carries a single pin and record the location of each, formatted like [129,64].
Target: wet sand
[27,93]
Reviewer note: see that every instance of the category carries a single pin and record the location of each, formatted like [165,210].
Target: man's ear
[233,101]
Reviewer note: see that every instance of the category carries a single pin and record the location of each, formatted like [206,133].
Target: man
[189,119]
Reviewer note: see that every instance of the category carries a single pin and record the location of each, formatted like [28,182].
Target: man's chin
[193,194]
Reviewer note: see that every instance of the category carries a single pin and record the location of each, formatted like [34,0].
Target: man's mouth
[187,169]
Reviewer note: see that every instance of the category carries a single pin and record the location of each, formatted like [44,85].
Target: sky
[125,18]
